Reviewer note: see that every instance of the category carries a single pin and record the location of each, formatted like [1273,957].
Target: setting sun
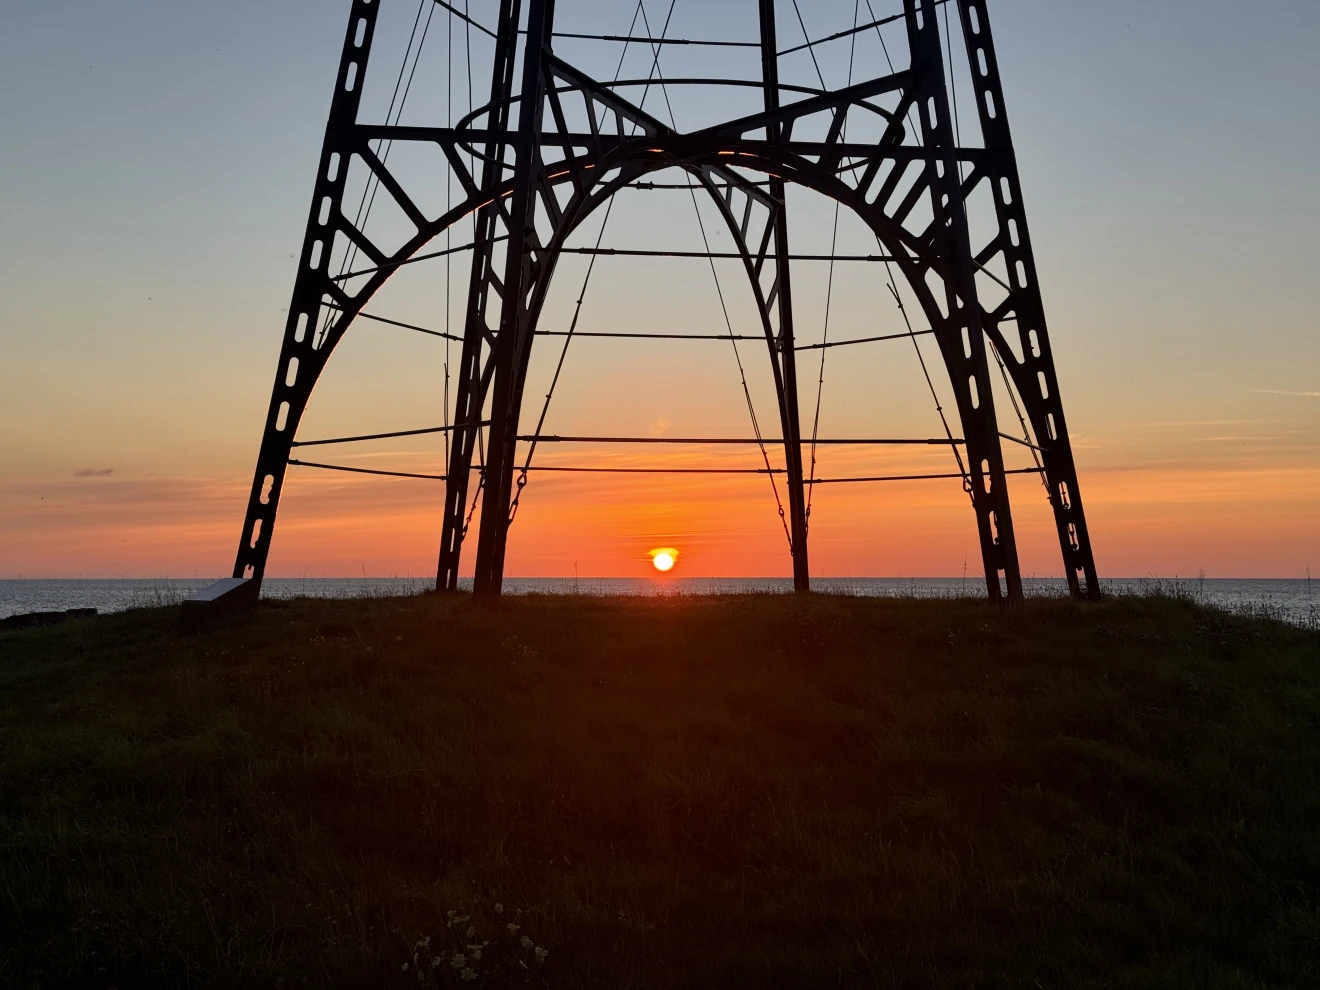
[664,559]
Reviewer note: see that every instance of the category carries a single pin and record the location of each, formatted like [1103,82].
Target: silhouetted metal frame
[1033,372]
[510,196]
[783,346]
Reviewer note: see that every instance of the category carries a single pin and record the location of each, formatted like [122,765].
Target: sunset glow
[664,560]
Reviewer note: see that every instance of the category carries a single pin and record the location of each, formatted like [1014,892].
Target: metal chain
[481,481]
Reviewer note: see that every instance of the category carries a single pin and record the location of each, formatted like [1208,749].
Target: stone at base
[225,595]
[30,620]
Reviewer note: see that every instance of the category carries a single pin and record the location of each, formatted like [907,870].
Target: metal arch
[643,156]
[779,342]
[958,325]
[942,248]
[964,354]
[492,203]
[631,162]
[592,194]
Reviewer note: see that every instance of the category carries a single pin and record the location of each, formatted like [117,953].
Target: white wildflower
[435,963]
[499,908]
[541,954]
[475,952]
[468,974]
[459,960]
[472,931]
[405,967]
[527,943]
[513,929]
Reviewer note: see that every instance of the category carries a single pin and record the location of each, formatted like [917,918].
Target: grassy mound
[654,793]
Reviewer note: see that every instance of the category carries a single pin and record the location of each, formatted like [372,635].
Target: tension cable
[591,267]
[834,246]
[719,291]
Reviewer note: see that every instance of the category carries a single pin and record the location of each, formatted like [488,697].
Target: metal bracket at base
[225,597]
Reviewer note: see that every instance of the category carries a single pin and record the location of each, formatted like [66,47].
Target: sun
[664,559]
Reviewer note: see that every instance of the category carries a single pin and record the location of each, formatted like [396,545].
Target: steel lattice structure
[553,145]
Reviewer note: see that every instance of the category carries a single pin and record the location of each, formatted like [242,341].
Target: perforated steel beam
[1031,363]
[304,353]
[960,333]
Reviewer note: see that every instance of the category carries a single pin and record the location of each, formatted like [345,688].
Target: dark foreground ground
[741,792]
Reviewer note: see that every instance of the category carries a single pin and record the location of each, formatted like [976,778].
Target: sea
[1295,601]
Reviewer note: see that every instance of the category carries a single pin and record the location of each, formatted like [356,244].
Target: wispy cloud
[1193,423]
[1279,391]
[94,473]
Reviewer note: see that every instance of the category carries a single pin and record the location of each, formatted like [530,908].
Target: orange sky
[1240,521]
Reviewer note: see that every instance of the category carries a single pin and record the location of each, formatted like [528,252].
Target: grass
[741,792]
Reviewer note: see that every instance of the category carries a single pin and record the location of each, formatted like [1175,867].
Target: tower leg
[467,424]
[513,343]
[474,375]
[962,335]
[1034,374]
[783,350]
[300,359]
[797,502]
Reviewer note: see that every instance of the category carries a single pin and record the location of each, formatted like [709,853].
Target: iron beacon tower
[553,145]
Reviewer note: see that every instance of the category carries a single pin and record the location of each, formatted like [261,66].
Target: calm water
[1295,601]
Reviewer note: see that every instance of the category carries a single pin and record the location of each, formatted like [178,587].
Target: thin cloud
[1279,391]
[94,473]
[1207,422]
